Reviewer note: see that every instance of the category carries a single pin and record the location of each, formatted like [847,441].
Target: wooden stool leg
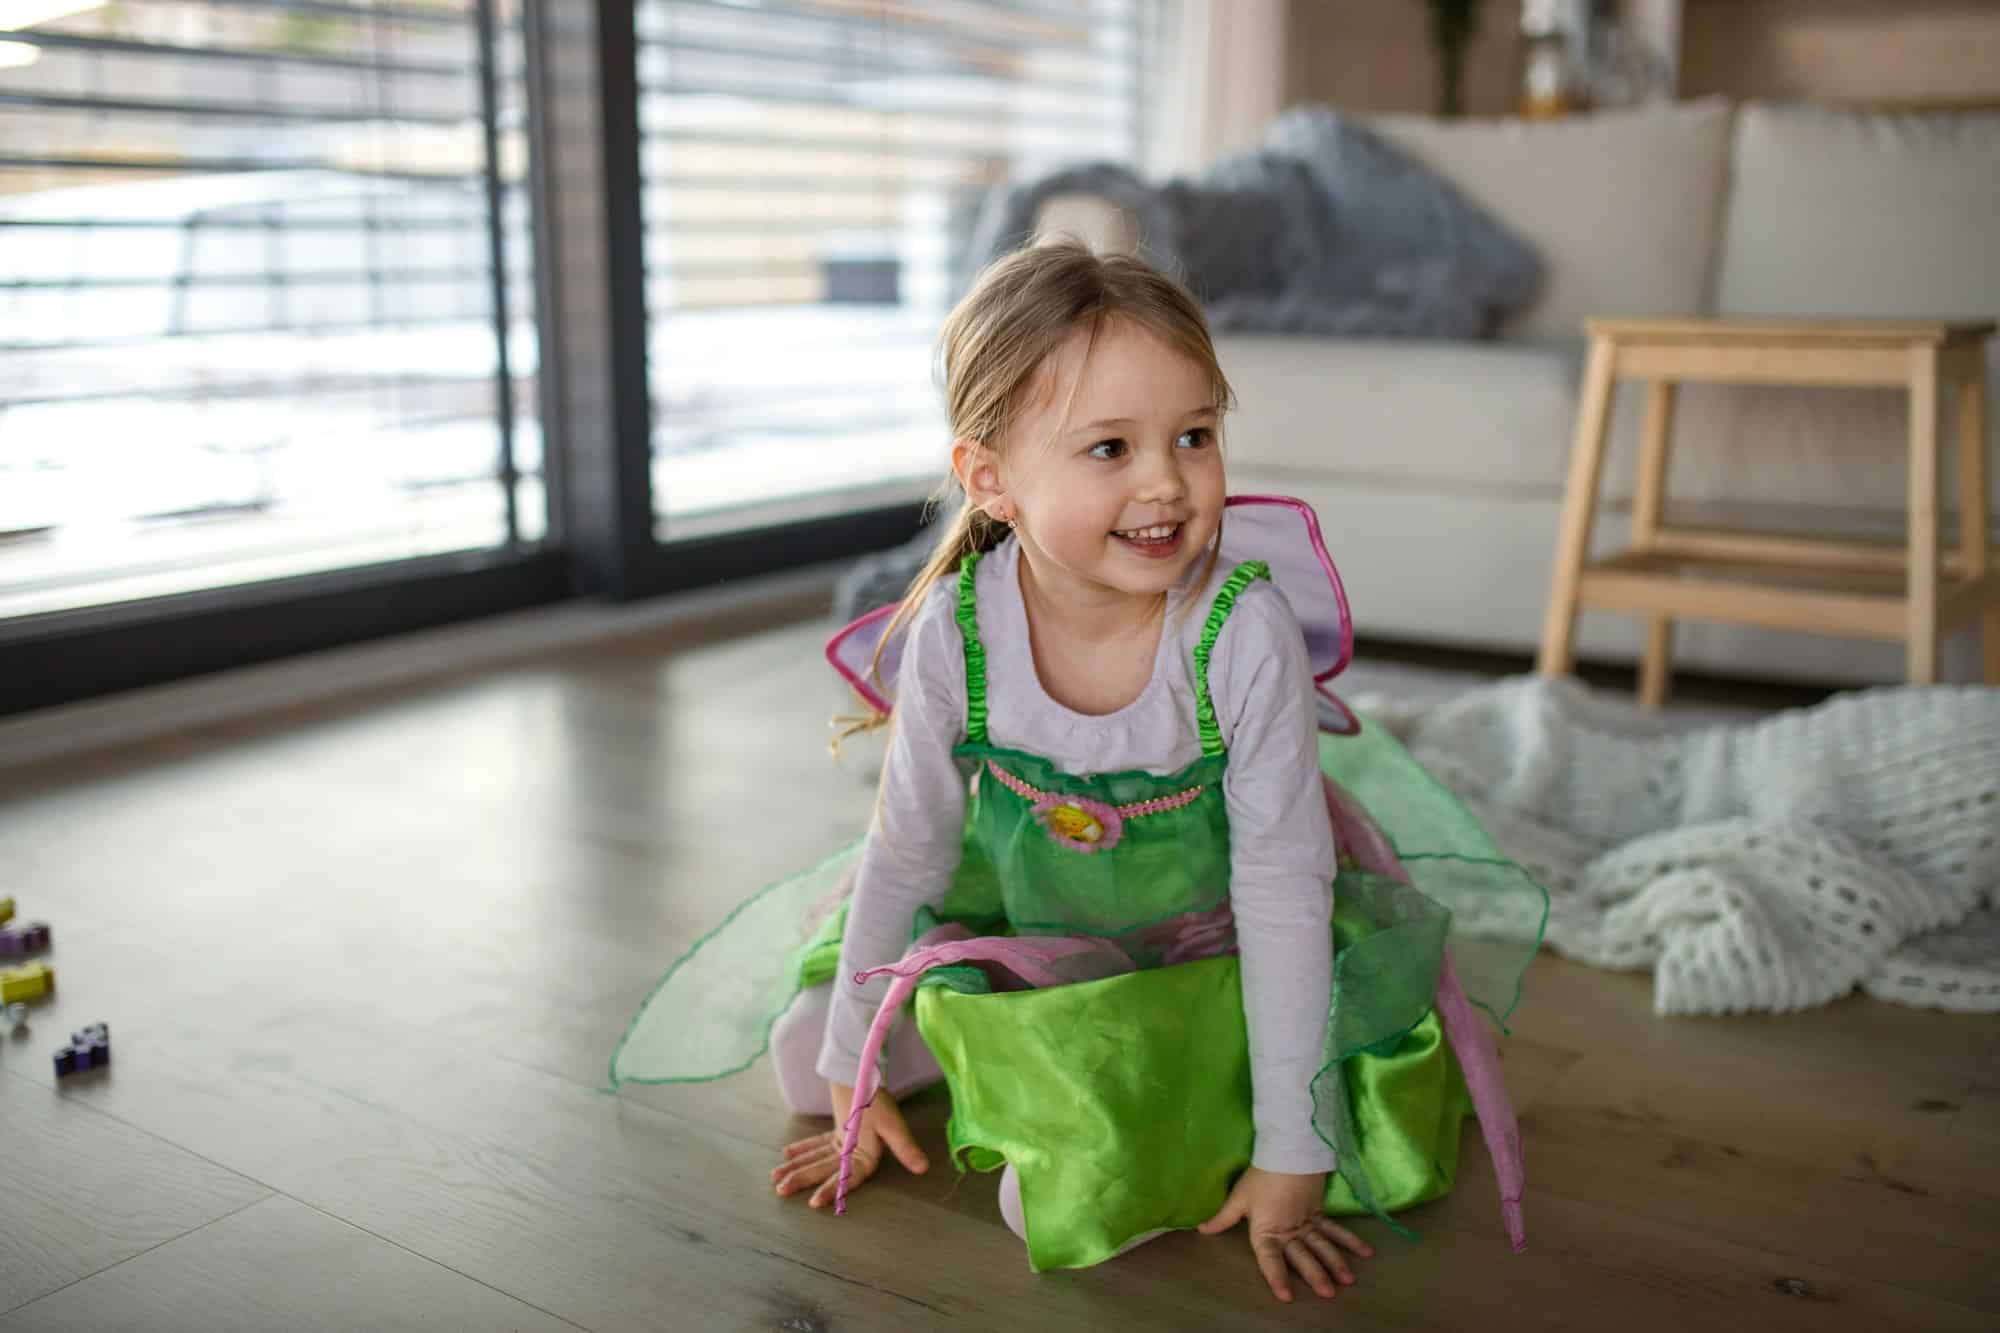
[1586,467]
[1975,511]
[1655,680]
[1655,442]
[1922,623]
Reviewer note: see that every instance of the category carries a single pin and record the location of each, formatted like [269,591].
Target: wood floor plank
[1844,1211]
[82,1191]
[277,1265]
[375,955]
[1846,1117]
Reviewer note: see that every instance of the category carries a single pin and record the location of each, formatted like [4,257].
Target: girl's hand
[1288,1228]
[816,1161]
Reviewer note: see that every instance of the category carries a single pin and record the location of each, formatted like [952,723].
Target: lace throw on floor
[1760,867]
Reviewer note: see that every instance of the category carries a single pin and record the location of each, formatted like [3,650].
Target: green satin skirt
[1124,1104]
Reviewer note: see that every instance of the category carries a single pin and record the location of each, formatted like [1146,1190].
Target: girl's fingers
[1342,1236]
[820,1153]
[1231,1213]
[799,1158]
[1329,1254]
[830,1191]
[867,1157]
[1272,1262]
[896,1133]
[799,1177]
[798,1146]
[1301,1257]
[823,1169]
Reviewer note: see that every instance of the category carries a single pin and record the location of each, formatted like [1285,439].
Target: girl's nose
[1161,481]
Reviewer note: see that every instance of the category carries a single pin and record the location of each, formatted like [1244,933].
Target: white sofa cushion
[1449,415]
[1862,214]
[1498,418]
[1621,205]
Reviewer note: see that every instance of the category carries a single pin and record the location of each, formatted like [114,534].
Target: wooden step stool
[1851,588]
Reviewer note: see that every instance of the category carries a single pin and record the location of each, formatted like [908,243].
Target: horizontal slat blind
[248,292]
[812,173]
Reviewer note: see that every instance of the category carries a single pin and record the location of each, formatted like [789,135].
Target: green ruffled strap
[975,652]
[1225,601]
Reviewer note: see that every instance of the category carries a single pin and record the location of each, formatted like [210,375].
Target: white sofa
[1438,467]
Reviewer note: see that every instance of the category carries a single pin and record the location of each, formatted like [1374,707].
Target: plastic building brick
[6,910]
[35,981]
[89,1048]
[17,940]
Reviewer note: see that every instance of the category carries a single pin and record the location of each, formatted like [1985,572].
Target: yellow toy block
[36,981]
[6,910]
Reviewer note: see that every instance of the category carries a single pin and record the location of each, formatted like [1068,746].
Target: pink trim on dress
[1480,1064]
[1029,957]
[1080,823]
[1358,836]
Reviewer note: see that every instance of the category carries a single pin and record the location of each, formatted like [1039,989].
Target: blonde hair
[1020,311]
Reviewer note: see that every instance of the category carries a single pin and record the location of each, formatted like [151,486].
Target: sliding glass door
[812,173]
[253,264]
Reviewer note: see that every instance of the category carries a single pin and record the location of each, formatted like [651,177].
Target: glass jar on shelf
[1554,37]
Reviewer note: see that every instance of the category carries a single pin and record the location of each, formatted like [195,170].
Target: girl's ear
[978,471]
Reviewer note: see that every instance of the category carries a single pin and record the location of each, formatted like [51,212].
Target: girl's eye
[1198,438]
[1108,449]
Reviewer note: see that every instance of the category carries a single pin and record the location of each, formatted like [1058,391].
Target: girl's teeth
[1163,530]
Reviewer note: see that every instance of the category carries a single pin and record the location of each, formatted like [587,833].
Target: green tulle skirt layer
[1124,1104]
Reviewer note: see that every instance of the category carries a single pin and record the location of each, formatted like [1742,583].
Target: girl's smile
[1159,542]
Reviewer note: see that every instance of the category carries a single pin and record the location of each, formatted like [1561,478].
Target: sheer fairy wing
[851,652]
[1282,532]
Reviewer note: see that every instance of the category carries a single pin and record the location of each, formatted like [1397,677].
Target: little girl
[1106,845]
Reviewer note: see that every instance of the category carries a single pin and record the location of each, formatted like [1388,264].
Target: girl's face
[1114,479]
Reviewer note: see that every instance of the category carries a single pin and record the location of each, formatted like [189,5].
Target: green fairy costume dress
[1078,985]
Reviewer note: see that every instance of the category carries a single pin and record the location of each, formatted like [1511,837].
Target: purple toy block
[89,1048]
[18,940]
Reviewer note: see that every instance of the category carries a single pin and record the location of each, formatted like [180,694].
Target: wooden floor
[363,969]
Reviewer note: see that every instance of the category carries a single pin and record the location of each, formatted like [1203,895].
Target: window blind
[256,258]
[812,171]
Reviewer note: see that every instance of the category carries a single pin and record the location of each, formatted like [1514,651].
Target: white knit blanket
[1767,866]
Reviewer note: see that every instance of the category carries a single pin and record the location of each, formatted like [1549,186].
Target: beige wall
[1375,55]
[1843,50]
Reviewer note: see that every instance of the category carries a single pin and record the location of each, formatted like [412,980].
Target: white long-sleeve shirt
[1281,842]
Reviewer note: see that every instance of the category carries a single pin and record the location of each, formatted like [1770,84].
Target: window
[250,258]
[812,171]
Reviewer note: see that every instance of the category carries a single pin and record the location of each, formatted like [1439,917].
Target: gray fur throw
[1326,230]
